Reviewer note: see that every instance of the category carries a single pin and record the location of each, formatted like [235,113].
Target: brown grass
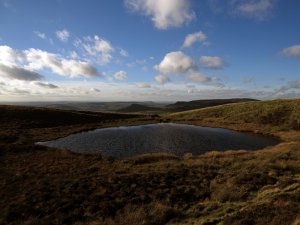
[49,186]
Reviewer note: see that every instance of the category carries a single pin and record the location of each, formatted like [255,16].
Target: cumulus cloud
[40,34]
[95,90]
[143,85]
[178,63]
[36,59]
[212,62]
[14,72]
[120,75]
[175,63]
[46,85]
[292,51]
[162,79]
[96,47]
[41,91]
[255,9]
[163,13]
[63,35]
[190,39]
[199,77]
[123,53]
[9,56]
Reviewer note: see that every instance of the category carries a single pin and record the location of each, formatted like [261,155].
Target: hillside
[26,123]
[198,104]
[86,106]
[139,108]
[276,116]
[41,185]
[30,117]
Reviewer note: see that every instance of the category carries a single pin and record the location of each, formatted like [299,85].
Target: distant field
[40,185]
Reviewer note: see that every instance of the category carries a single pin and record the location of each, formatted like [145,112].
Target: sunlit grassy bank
[277,117]
[48,186]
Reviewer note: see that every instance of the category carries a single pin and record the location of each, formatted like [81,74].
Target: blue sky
[160,50]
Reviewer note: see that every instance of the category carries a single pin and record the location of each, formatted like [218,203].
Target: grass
[277,117]
[50,186]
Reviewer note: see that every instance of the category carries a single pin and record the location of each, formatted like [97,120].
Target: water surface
[122,142]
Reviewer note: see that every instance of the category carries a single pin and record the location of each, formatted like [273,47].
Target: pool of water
[122,142]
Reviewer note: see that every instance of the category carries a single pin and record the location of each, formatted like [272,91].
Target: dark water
[122,142]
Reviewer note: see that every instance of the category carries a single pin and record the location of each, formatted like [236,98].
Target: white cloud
[121,75]
[292,51]
[291,85]
[143,85]
[73,55]
[63,35]
[9,56]
[40,34]
[190,39]
[178,63]
[162,79]
[212,62]
[95,90]
[70,90]
[199,77]
[96,47]
[46,85]
[164,13]
[36,59]
[256,9]
[175,63]
[123,53]
[14,72]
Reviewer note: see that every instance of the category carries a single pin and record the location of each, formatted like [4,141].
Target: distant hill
[35,117]
[87,106]
[139,108]
[198,104]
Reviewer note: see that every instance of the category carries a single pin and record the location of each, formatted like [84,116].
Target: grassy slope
[31,124]
[139,108]
[277,117]
[267,203]
[43,186]
[198,104]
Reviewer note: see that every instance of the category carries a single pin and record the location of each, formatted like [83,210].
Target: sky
[149,50]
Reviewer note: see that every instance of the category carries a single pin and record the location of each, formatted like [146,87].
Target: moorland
[41,185]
